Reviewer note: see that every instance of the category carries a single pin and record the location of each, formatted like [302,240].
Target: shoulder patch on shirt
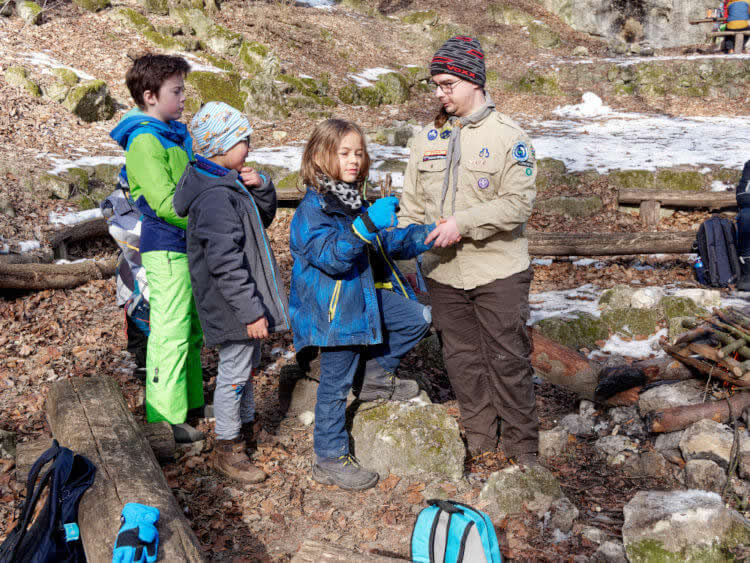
[445,134]
[520,152]
[432,134]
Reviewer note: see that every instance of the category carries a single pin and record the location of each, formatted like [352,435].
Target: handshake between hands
[382,215]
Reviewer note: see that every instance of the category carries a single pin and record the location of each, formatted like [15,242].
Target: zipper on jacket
[393,270]
[334,301]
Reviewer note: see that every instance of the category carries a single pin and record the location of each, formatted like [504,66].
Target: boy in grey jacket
[236,283]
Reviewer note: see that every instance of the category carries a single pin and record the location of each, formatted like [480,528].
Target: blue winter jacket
[332,300]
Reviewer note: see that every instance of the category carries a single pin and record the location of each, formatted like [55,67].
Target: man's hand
[250,177]
[445,234]
[258,330]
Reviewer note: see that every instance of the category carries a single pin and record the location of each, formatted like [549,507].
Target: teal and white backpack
[450,532]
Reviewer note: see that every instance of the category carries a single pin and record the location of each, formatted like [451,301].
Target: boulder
[542,36]
[55,186]
[571,206]
[562,514]
[674,306]
[580,51]
[133,19]
[594,535]
[619,297]
[633,322]
[648,464]
[30,12]
[7,444]
[219,87]
[538,83]
[509,15]
[708,298]
[707,439]
[677,394]
[744,462]
[216,37]
[646,298]
[514,489]
[408,439]
[257,58]
[264,99]
[609,552]
[705,475]
[391,88]
[553,442]
[578,425]
[668,444]
[90,101]
[576,330]
[160,7]
[92,5]
[19,76]
[611,446]
[681,526]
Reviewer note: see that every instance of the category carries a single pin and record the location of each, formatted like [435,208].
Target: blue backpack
[450,532]
[54,536]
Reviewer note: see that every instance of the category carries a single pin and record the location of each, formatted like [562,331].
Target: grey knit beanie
[462,57]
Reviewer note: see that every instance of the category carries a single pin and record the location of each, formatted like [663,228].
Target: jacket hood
[194,182]
[136,119]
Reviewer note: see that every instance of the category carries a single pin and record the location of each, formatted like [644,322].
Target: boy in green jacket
[158,150]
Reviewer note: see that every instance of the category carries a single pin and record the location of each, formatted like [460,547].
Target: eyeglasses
[447,86]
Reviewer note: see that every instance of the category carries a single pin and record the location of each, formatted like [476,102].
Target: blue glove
[138,538]
[380,215]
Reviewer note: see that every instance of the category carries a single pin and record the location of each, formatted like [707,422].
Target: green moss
[163,41]
[290,182]
[252,55]
[444,31]
[509,15]
[30,12]
[727,175]
[65,76]
[428,17]
[542,36]
[539,84]
[211,86]
[394,88]
[79,179]
[679,180]
[631,322]
[192,105]
[653,551]
[571,206]
[319,114]
[92,5]
[672,306]
[90,101]
[107,173]
[218,62]
[581,330]
[552,172]
[616,298]
[133,19]
[263,98]
[18,76]
[160,7]
[55,186]
[633,179]
[222,40]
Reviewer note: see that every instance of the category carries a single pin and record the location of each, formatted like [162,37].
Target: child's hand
[258,330]
[250,177]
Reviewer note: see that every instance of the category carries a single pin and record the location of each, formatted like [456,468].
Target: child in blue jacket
[347,295]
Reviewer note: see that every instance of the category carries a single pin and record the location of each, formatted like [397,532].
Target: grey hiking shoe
[185,434]
[528,460]
[344,472]
[380,384]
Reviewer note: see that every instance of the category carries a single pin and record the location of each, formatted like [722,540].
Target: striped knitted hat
[462,57]
[217,127]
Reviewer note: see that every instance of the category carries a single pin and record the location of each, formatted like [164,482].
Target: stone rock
[425,17]
[571,206]
[509,15]
[30,12]
[553,442]
[279,135]
[542,36]
[513,489]
[562,515]
[133,19]
[391,88]
[633,322]
[676,327]
[629,421]
[744,462]
[216,37]
[646,298]
[668,444]
[107,173]
[160,7]
[575,330]
[578,425]
[677,394]
[408,439]
[594,535]
[263,99]
[18,76]
[681,526]
[220,87]
[708,298]
[55,186]
[707,439]
[7,444]
[705,475]
[538,83]
[649,464]
[610,552]
[619,297]
[257,58]
[90,101]
[6,208]
[6,9]
[92,5]
[610,446]
[580,51]
[674,306]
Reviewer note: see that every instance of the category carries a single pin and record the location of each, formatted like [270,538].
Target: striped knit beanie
[462,57]
[217,127]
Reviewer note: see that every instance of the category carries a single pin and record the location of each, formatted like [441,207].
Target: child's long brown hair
[321,152]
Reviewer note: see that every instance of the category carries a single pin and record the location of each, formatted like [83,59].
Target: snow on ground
[632,348]
[74,217]
[199,64]
[366,78]
[628,61]
[63,164]
[322,4]
[719,186]
[46,63]
[592,135]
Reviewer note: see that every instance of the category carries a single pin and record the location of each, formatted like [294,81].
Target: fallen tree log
[90,416]
[321,552]
[95,228]
[54,276]
[563,366]
[26,258]
[670,198]
[679,418]
[609,244]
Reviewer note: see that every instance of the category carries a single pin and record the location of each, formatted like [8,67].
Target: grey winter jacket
[232,267]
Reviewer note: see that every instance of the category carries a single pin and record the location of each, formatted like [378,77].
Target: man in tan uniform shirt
[473,171]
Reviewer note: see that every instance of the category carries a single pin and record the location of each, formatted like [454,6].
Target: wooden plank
[739,42]
[728,33]
[27,453]
[671,198]
[609,244]
[90,416]
[649,213]
[319,552]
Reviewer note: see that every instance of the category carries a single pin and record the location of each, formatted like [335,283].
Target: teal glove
[138,538]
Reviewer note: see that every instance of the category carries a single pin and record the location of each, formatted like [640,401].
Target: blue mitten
[380,215]
[138,538]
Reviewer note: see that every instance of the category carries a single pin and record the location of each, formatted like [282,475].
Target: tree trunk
[650,210]
[319,552]
[678,418]
[669,198]
[95,228]
[90,416]
[562,366]
[609,244]
[54,276]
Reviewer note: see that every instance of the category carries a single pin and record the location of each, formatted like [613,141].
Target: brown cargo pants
[486,348]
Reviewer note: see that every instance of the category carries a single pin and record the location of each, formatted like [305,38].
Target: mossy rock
[509,15]
[542,36]
[218,62]
[215,87]
[258,58]
[676,327]
[537,83]
[319,114]
[680,180]
[426,17]
[65,76]
[355,96]
[631,322]
[579,330]
[616,298]
[673,307]
[276,173]
[107,173]
[571,206]
[56,91]
[92,5]
[55,186]
[728,176]
[391,88]
[551,172]
[515,489]
[90,101]
[160,40]
[222,40]
[444,31]
[79,180]
[308,92]
[29,12]
[633,179]
[160,7]
[133,19]
[85,202]
[263,98]
[18,76]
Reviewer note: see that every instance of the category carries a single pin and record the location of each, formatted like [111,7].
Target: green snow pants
[174,381]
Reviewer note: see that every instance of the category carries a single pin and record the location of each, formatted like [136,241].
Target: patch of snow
[705,170]
[320,4]
[75,217]
[63,164]
[632,348]
[305,76]
[563,302]
[719,186]
[629,61]
[591,106]
[63,261]
[44,61]
[199,64]
[598,264]
[28,245]
[541,261]
[366,78]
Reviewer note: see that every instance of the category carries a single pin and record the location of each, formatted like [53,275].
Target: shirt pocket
[482,178]
[431,176]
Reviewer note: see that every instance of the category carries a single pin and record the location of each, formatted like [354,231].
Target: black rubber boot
[379,384]
[743,284]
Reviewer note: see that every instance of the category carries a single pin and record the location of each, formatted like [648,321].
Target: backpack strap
[730,236]
[486,531]
[713,261]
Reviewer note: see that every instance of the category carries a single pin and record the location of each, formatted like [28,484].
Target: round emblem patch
[432,134]
[529,171]
[483,183]
[484,153]
[520,152]
[445,134]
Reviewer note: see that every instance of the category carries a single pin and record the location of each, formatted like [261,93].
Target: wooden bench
[739,37]
[650,201]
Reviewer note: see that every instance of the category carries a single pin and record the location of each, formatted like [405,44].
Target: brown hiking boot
[230,459]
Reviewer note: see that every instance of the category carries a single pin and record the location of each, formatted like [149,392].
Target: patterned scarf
[347,194]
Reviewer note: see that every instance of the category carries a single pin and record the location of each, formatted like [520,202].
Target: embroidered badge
[529,171]
[433,155]
[483,183]
[432,134]
[520,152]
[445,134]
[484,153]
